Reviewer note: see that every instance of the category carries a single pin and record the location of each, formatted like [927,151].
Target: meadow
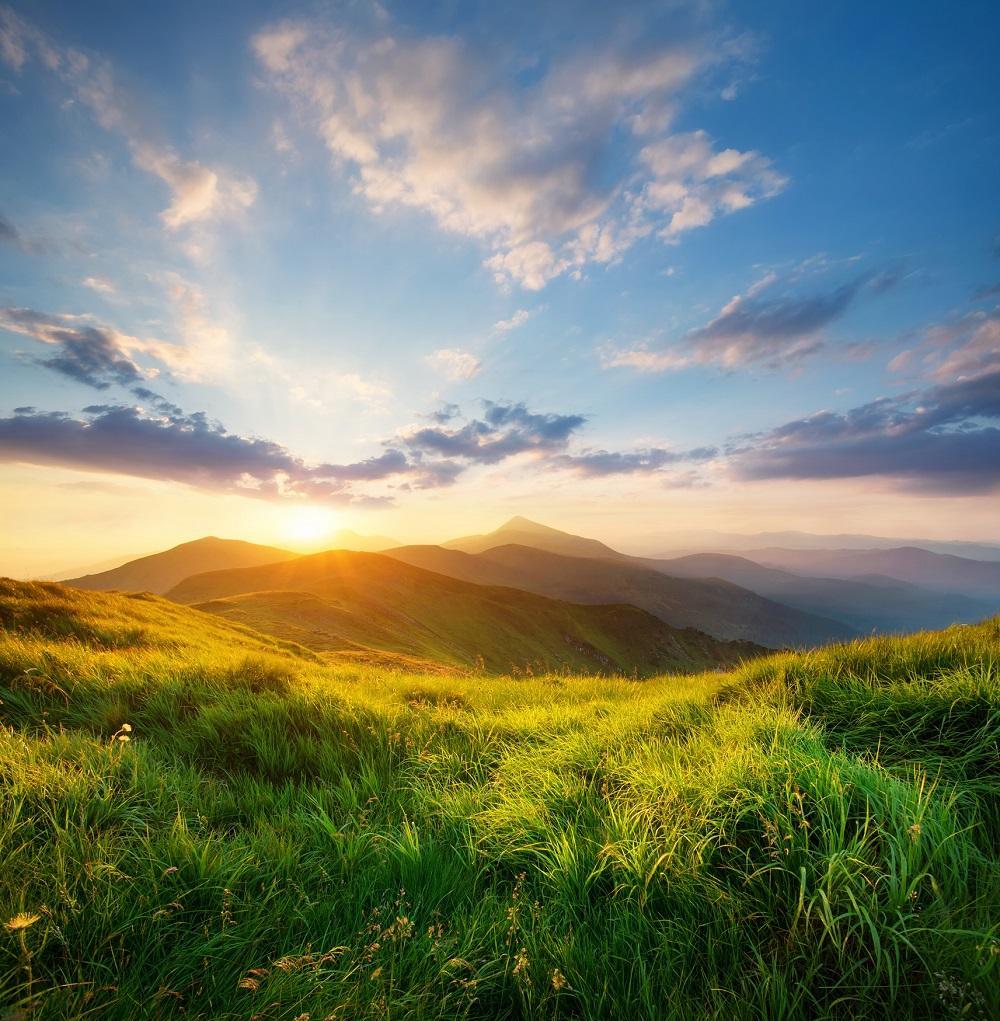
[199,821]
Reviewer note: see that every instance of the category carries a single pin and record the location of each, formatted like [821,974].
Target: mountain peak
[520,524]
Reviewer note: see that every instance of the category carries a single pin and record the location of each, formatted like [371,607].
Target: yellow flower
[22,921]
[558,980]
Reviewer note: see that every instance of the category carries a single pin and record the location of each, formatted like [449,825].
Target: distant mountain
[706,541]
[522,532]
[82,569]
[358,602]
[348,539]
[162,571]
[937,571]
[875,601]
[718,607]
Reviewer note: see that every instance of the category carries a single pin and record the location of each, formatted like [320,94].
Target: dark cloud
[938,439]
[597,463]
[186,448]
[503,431]
[765,326]
[89,354]
[9,234]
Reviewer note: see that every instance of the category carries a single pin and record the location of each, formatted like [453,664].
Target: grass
[201,822]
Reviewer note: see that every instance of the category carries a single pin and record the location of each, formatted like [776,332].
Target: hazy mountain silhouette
[875,601]
[522,532]
[938,571]
[718,607]
[162,571]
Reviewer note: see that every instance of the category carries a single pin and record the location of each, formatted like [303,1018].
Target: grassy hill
[160,572]
[715,606]
[351,601]
[198,821]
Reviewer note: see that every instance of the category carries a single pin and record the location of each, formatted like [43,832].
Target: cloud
[99,284]
[530,165]
[9,234]
[759,327]
[169,445]
[88,353]
[937,439]
[198,192]
[517,320]
[965,348]
[505,430]
[454,364]
[600,463]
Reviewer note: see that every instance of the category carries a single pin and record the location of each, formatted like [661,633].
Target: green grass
[808,836]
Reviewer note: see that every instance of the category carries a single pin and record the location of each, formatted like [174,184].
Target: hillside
[353,601]
[162,571]
[198,821]
[714,606]
[863,603]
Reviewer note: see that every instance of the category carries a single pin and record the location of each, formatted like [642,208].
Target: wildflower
[22,921]
[126,728]
[559,980]
[914,832]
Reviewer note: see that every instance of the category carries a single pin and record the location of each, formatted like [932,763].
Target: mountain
[351,540]
[874,601]
[160,572]
[707,541]
[522,532]
[718,607]
[938,571]
[345,601]
[82,569]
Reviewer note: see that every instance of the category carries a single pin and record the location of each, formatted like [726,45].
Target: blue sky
[430,264]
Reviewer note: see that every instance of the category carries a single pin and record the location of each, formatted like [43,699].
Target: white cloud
[453,363]
[198,192]
[518,319]
[430,124]
[100,284]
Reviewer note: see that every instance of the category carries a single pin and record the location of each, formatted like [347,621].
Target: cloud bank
[553,171]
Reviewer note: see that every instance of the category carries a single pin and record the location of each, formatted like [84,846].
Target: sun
[309,524]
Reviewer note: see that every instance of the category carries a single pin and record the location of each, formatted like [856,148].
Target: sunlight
[309,524]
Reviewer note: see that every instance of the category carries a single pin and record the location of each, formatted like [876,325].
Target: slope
[343,600]
[714,606]
[162,571]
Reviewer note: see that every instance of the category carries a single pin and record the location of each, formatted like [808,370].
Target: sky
[272,269]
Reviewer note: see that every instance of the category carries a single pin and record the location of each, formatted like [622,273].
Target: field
[199,821]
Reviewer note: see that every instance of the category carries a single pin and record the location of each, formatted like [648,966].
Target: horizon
[413,270]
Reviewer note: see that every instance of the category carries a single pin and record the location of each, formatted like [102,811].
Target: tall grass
[199,822]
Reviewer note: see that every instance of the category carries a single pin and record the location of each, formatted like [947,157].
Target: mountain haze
[160,572]
[938,571]
[717,607]
[523,532]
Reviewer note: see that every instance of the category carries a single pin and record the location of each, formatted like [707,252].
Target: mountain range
[347,601]
[528,595]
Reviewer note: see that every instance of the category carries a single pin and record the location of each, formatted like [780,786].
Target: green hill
[160,572]
[197,821]
[348,601]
